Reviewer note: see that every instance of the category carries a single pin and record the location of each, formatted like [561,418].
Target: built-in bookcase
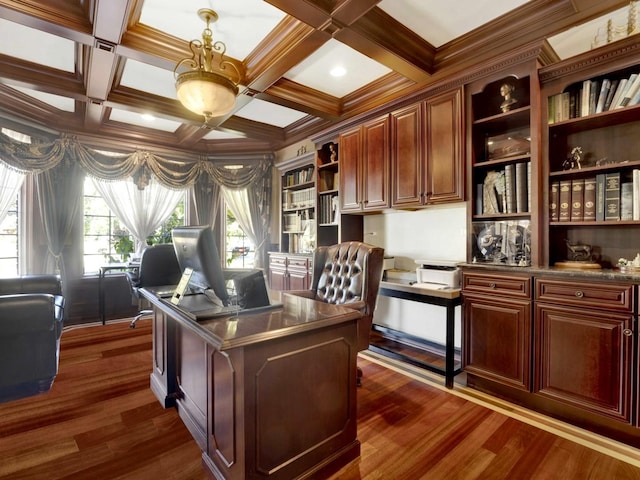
[592,156]
[501,149]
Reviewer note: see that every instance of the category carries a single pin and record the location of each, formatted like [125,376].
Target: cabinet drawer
[515,286]
[298,263]
[604,296]
[277,261]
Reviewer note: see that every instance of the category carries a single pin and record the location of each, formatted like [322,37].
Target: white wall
[434,233]
[438,232]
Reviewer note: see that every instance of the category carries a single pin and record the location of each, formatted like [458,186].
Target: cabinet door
[497,339]
[278,272]
[375,165]
[297,273]
[583,358]
[350,154]
[444,150]
[407,161]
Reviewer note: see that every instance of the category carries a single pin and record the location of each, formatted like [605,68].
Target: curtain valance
[175,173]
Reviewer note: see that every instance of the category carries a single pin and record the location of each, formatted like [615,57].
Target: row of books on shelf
[505,191]
[298,198]
[611,196]
[594,96]
[328,209]
[296,222]
[298,177]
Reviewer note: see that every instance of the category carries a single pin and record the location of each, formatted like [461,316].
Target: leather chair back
[158,266]
[349,274]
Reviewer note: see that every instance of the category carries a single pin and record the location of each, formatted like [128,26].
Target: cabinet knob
[492,285]
[627,332]
[579,294]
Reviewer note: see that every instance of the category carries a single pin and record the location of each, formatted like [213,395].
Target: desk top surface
[295,315]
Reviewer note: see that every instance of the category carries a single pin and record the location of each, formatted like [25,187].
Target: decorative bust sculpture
[506,90]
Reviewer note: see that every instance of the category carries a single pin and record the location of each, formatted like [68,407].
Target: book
[636,193]
[594,89]
[589,204]
[630,92]
[600,188]
[612,196]
[627,85]
[554,200]
[626,201]
[621,86]
[584,98]
[577,199]
[510,187]
[522,205]
[610,95]
[564,210]
[602,96]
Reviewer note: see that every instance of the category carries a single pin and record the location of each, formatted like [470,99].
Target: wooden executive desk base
[267,395]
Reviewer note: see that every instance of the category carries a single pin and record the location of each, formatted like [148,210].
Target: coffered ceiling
[104,68]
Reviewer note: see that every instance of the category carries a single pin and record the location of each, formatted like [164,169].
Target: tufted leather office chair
[348,274]
[158,267]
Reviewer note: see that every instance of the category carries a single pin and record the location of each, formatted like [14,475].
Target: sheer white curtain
[239,202]
[10,183]
[141,211]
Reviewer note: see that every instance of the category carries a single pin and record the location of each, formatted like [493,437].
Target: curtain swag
[139,165]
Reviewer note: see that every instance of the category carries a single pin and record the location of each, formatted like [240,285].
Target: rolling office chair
[348,274]
[158,266]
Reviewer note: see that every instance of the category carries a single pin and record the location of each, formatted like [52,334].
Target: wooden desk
[270,394]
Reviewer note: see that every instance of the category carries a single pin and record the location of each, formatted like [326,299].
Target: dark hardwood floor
[101,421]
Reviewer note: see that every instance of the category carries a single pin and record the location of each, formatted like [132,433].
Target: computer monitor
[196,249]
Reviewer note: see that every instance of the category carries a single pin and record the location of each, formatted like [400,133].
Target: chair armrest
[301,293]
[39,283]
[27,313]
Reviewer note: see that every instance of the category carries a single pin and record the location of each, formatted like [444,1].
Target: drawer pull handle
[492,285]
[627,332]
[579,294]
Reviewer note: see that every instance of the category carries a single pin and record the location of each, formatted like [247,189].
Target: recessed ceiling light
[148,117]
[338,71]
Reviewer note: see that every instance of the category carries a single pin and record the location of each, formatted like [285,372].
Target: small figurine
[506,90]
[579,252]
[574,159]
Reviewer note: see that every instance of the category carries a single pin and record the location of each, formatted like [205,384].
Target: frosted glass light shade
[206,93]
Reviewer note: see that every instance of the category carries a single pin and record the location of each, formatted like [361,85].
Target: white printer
[437,274]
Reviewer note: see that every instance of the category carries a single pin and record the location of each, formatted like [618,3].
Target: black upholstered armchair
[158,267]
[348,274]
[31,321]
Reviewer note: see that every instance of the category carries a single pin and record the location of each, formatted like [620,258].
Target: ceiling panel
[288,58]
[36,46]
[241,25]
[440,22]
[314,71]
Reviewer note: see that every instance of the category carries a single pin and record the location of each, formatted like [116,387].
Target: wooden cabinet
[497,328]
[427,164]
[609,139]
[364,167]
[584,345]
[289,272]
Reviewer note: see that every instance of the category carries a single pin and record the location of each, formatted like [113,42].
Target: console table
[448,298]
[266,394]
